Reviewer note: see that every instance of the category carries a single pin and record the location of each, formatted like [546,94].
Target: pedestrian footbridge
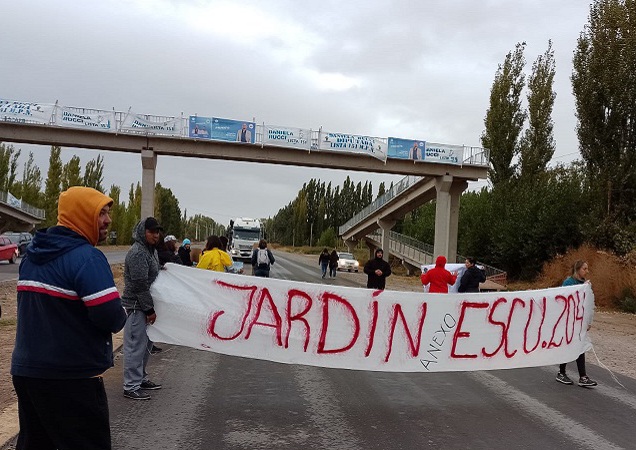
[373,224]
[16,215]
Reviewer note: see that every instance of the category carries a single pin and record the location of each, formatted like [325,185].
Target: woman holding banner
[578,276]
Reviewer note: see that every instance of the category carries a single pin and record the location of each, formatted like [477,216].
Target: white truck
[243,235]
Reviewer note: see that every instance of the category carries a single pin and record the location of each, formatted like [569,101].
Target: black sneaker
[154,350]
[136,395]
[563,378]
[586,382]
[149,386]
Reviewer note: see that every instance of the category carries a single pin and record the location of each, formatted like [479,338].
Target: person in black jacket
[471,277]
[262,259]
[184,253]
[166,250]
[377,269]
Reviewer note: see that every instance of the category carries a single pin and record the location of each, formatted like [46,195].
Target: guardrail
[31,210]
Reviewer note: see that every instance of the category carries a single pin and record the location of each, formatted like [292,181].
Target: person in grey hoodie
[140,271]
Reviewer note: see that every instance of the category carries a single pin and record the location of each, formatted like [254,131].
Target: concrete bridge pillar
[351,244]
[148,165]
[385,226]
[449,192]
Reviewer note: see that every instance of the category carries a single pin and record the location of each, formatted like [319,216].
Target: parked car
[346,261]
[8,250]
[21,239]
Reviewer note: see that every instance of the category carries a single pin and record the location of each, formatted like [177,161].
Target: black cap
[152,224]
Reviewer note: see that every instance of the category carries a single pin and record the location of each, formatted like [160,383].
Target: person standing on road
[472,276]
[167,250]
[184,253]
[323,261]
[214,257]
[68,308]
[438,278]
[333,263]
[262,259]
[140,271]
[377,269]
[577,276]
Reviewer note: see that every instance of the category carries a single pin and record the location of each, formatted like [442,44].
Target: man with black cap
[140,271]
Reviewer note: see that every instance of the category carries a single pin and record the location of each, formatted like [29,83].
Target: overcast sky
[410,69]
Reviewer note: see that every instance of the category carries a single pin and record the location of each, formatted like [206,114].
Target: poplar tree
[52,186]
[71,173]
[31,183]
[604,86]
[8,166]
[505,116]
[94,173]
[537,144]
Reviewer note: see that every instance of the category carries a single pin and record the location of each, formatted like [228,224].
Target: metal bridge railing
[379,202]
[408,247]
[31,210]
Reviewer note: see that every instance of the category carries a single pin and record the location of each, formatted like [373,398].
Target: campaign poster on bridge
[444,153]
[222,129]
[295,322]
[406,149]
[168,126]
[71,117]
[25,112]
[286,136]
[341,142]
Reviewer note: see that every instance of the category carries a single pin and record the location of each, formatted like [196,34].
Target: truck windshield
[247,235]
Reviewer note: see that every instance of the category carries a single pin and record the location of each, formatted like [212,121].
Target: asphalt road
[212,401]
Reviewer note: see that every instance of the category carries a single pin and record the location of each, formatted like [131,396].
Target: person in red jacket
[438,278]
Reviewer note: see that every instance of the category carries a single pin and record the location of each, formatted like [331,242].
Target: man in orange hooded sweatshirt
[438,278]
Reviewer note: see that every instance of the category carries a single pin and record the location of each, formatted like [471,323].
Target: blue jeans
[323,266]
[137,348]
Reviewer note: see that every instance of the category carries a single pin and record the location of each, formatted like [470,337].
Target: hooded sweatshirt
[438,277]
[377,281]
[68,305]
[140,271]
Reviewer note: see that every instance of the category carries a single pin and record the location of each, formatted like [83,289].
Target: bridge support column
[385,226]
[351,244]
[447,215]
[148,165]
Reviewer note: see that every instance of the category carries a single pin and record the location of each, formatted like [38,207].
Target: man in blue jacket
[68,308]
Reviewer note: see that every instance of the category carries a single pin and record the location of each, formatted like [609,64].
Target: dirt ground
[613,335]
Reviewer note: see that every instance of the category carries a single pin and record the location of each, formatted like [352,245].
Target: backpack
[262,257]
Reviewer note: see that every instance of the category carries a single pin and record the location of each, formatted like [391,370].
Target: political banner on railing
[341,142]
[286,136]
[25,112]
[406,149]
[71,117]
[363,329]
[170,126]
[221,129]
[444,153]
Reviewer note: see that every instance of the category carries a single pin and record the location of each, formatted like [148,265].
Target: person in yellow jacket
[213,257]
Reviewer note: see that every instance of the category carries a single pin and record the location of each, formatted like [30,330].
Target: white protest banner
[354,328]
[444,153]
[286,136]
[24,112]
[71,117]
[367,145]
[139,123]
